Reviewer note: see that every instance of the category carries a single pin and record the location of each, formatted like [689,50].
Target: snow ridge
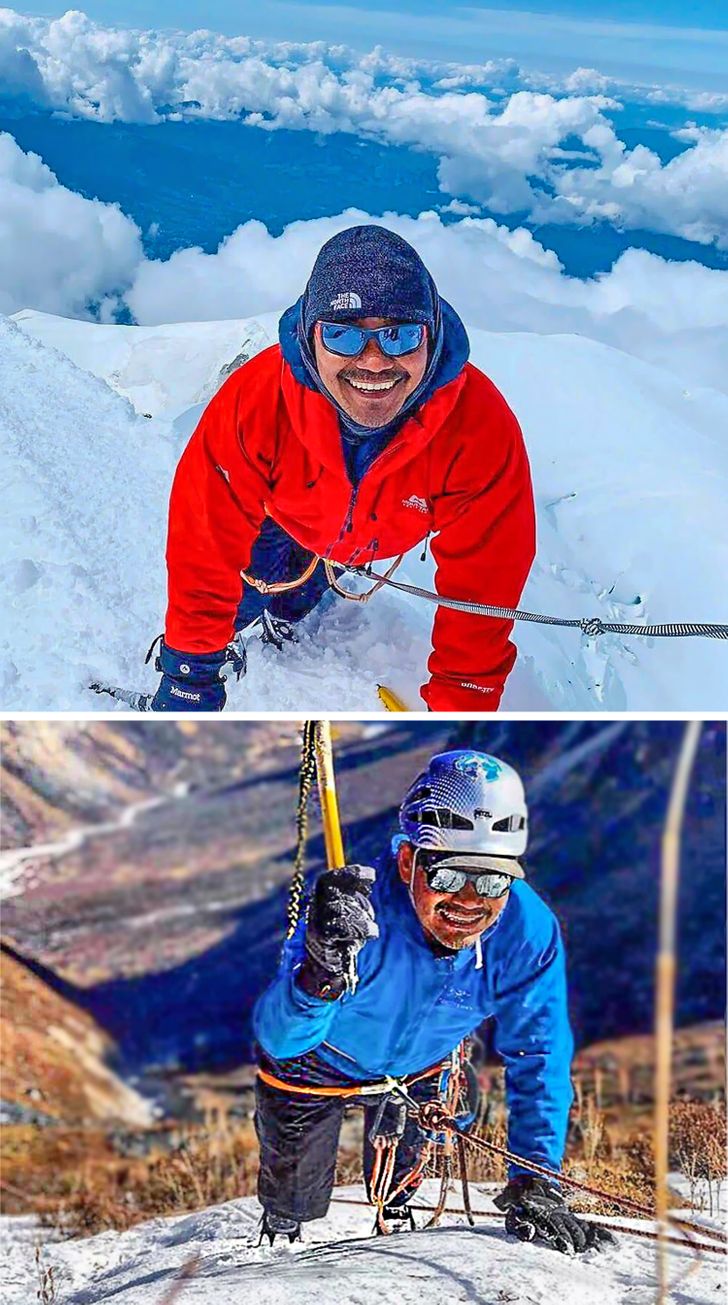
[631,478]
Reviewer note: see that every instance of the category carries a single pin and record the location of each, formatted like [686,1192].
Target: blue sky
[630,39]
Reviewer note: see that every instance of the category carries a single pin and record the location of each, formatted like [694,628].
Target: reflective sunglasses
[450,879]
[394,341]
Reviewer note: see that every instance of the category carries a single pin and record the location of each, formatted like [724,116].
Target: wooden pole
[665,985]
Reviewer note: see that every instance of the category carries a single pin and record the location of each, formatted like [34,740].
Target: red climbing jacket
[268,445]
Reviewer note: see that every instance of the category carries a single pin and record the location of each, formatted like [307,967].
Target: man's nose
[468,894]
[372,359]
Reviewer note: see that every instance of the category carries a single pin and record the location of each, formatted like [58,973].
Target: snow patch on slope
[631,479]
[86,480]
[339,1261]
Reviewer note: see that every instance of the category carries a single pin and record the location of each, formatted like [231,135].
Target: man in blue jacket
[388,974]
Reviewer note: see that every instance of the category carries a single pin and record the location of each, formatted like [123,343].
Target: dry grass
[78,1185]
[698,1150]
[81,1186]
[46,1292]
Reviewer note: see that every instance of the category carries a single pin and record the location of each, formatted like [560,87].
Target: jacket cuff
[466,695]
[192,668]
[317,982]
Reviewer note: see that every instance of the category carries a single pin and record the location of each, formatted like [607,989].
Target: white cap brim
[479,861]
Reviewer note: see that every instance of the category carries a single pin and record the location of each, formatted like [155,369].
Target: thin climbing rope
[306,779]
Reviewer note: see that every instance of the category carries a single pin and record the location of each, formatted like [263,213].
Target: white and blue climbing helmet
[468,803]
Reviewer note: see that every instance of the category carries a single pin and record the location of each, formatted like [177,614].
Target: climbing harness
[395,1090]
[285,586]
[387,1084]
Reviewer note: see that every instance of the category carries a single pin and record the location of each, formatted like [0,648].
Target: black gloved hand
[340,920]
[535,1209]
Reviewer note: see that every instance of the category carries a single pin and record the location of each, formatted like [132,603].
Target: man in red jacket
[363,432]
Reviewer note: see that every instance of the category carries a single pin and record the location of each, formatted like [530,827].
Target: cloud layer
[64,254]
[672,314]
[59,252]
[511,140]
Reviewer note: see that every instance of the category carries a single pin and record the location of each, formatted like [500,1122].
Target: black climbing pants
[299,1136]
[275,556]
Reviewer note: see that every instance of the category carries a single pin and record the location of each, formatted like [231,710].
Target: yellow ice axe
[390,699]
[327,793]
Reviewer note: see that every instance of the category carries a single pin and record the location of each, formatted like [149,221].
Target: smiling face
[454,920]
[371,388]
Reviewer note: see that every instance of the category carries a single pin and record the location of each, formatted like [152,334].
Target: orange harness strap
[362,1089]
[284,586]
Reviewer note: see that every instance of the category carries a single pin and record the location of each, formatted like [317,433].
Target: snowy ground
[631,478]
[340,1263]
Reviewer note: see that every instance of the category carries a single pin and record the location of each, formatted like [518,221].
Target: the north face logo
[414,502]
[345,301]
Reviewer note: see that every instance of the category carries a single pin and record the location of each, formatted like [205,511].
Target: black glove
[340,920]
[535,1209]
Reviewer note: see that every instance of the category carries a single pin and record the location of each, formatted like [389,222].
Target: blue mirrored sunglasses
[394,341]
[450,879]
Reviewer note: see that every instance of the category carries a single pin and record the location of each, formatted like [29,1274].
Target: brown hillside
[53,1056]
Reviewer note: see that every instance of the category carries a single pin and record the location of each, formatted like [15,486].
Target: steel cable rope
[589,625]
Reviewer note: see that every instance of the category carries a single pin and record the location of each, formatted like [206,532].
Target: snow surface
[340,1263]
[631,478]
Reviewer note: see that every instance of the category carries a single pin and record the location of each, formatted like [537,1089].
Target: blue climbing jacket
[412,1007]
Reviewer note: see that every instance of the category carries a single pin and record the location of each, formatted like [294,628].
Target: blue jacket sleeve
[534,1040]
[286,1021]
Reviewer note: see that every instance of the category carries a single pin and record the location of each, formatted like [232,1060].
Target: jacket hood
[449,355]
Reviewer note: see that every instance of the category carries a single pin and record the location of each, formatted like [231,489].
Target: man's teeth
[370,386]
[462,917]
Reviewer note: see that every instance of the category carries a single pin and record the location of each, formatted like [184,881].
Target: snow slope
[631,478]
[340,1263]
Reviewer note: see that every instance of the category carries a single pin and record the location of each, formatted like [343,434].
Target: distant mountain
[58,774]
[170,927]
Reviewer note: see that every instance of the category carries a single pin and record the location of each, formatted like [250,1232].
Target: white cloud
[504,150]
[671,314]
[58,251]
[586,79]
[687,196]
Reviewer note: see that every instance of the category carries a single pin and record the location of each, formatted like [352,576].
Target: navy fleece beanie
[369,271]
